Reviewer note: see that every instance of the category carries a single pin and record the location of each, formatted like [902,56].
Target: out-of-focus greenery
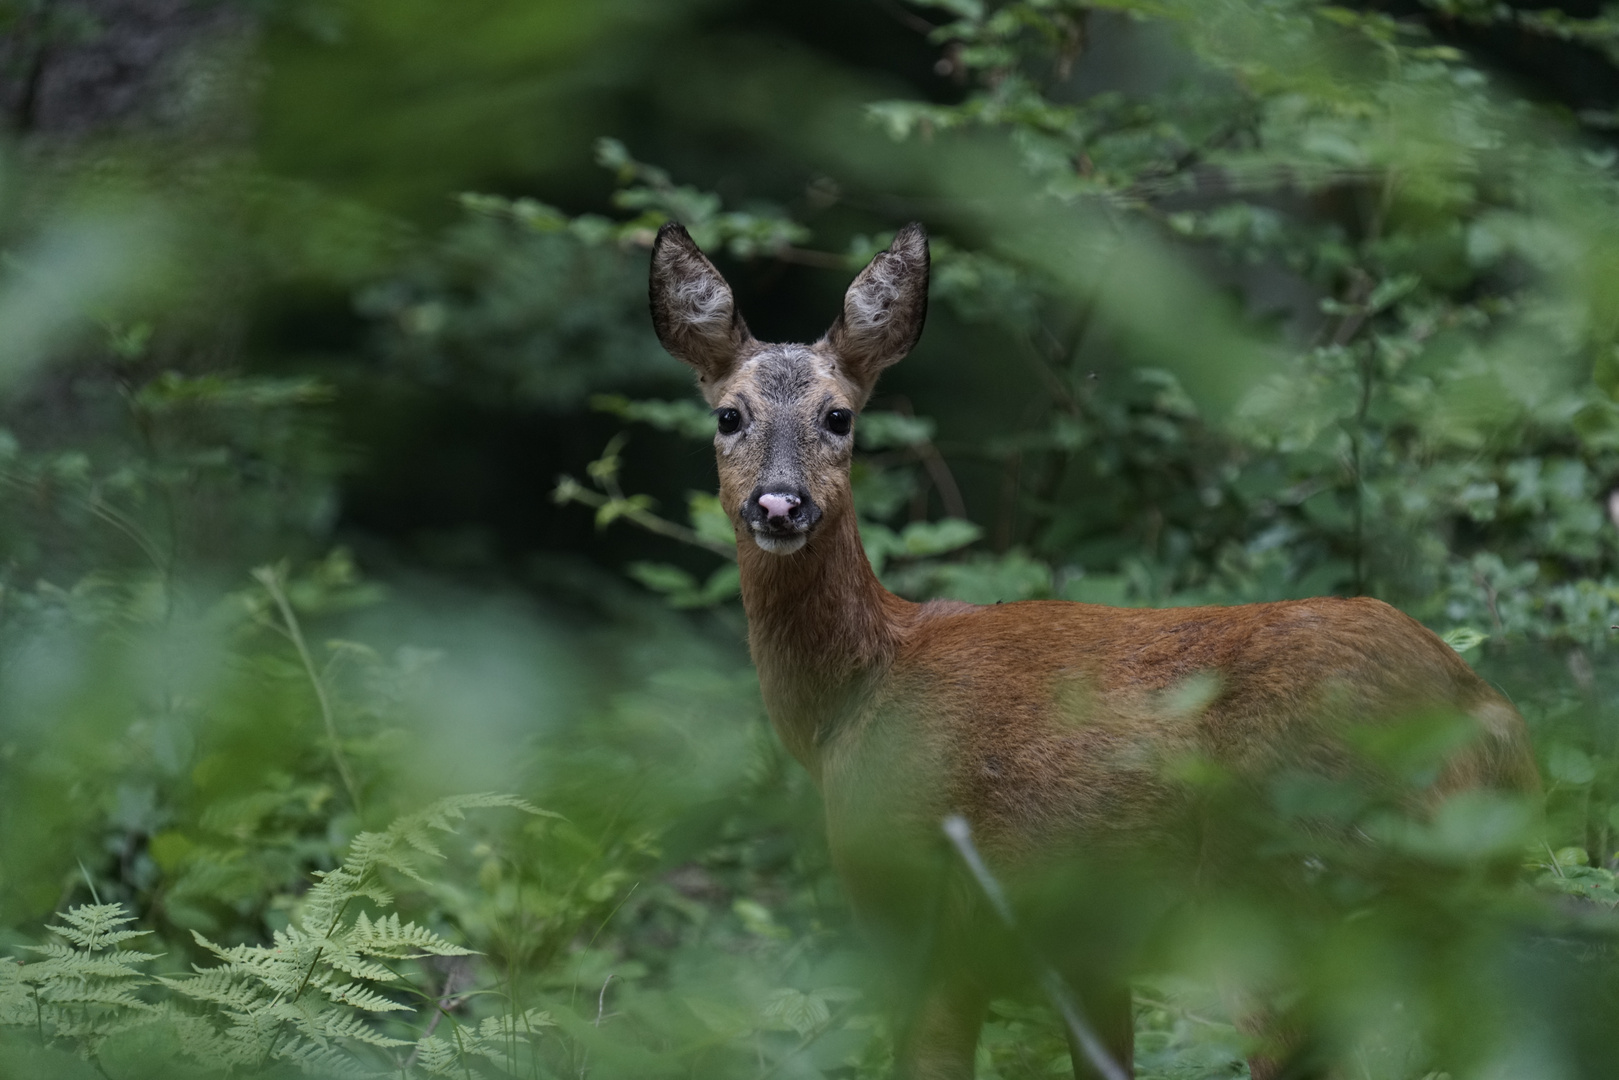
[340,473]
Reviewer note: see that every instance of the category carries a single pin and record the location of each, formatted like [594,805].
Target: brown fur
[1051,726]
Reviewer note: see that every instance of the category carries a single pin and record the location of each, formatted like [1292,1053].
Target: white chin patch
[780,545]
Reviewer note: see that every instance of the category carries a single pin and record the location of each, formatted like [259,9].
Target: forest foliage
[1233,300]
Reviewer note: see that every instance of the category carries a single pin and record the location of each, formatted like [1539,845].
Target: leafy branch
[611,504]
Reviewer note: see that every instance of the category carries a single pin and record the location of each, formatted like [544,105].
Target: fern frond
[304,1000]
[324,1025]
[66,962]
[200,1040]
[494,1039]
[92,1029]
[353,965]
[85,991]
[510,1026]
[252,1034]
[388,938]
[97,926]
[281,969]
[398,847]
[324,904]
[218,986]
[445,814]
[68,992]
[16,996]
[332,1062]
[436,1057]
[361,997]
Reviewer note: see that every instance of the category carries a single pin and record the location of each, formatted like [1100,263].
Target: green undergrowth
[1232,300]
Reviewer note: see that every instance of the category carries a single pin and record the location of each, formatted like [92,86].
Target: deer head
[785,413]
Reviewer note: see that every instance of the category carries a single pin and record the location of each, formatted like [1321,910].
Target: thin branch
[938,469]
[601,999]
[451,998]
[960,834]
[908,19]
[1356,316]
[270,578]
[1489,599]
[1048,374]
[943,479]
[109,514]
[570,490]
[26,114]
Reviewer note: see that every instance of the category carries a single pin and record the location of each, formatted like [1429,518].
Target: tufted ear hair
[884,309]
[693,310]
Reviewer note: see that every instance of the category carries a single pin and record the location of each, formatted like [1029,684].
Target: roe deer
[1046,724]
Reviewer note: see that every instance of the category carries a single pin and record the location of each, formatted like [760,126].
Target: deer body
[1053,727]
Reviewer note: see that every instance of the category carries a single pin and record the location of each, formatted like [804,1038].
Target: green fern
[498,1039]
[83,992]
[308,1000]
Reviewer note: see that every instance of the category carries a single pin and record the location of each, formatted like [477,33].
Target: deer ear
[884,309]
[693,310]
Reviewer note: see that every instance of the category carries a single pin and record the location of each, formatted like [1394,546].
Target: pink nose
[778,506]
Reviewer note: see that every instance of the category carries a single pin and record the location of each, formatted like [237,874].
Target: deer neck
[820,626]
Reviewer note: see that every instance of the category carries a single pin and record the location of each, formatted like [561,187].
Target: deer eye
[838,421]
[729,420]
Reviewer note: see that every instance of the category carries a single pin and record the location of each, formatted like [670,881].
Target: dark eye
[838,421]
[729,420]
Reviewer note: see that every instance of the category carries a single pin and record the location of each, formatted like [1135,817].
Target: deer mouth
[778,544]
[780,521]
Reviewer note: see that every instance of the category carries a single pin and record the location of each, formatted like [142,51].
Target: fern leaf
[514,1026]
[304,1000]
[200,1040]
[70,963]
[70,992]
[324,1025]
[252,1034]
[218,986]
[16,996]
[388,938]
[280,969]
[437,1057]
[97,926]
[315,1059]
[362,997]
[358,968]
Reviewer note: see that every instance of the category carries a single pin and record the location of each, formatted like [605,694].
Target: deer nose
[779,506]
[780,510]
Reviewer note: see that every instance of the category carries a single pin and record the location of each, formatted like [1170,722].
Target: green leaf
[1570,765]
[921,538]
[684,416]
[1571,856]
[613,509]
[681,589]
[663,578]
[758,920]
[881,430]
[797,1010]
[708,519]
[880,542]
[1465,638]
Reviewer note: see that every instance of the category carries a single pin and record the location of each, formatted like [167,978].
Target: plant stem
[271,579]
[570,490]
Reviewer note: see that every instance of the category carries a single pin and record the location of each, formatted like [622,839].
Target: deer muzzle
[780,520]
